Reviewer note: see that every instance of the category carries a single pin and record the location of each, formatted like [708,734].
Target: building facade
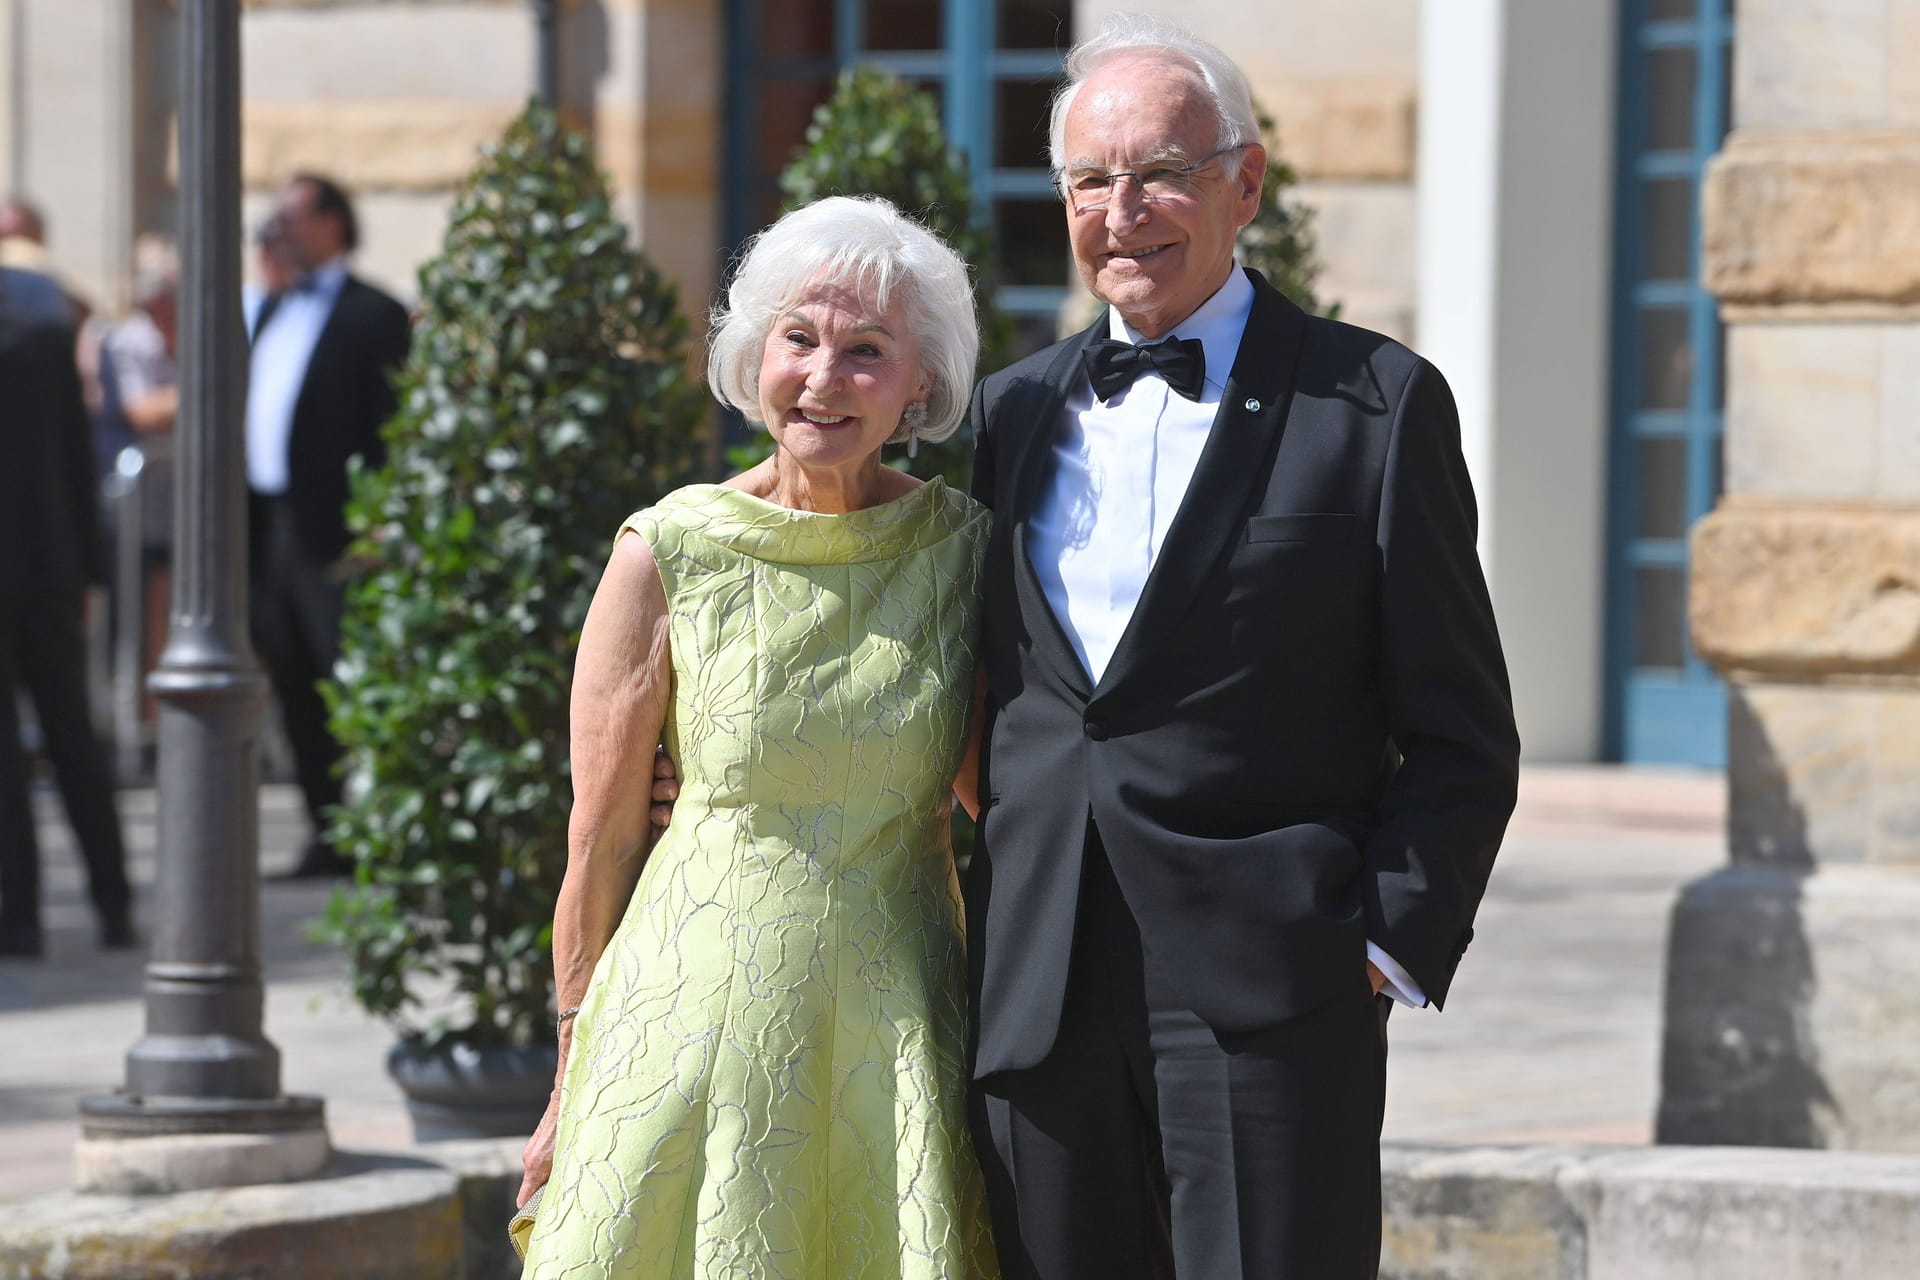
[1511,186]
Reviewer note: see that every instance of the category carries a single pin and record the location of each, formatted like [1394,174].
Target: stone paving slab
[1568,1212]
[1551,1033]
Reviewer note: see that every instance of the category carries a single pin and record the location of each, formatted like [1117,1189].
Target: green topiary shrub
[878,135]
[1280,242]
[547,397]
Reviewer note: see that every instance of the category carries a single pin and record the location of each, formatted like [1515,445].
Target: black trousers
[43,651]
[1147,1145]
[295,610]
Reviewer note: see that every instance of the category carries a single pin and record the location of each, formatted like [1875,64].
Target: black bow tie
[1113,366]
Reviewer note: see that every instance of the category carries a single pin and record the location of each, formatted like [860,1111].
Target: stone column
[70,136]
[655,111]
[10,95]
[1516,126]
[1793,999]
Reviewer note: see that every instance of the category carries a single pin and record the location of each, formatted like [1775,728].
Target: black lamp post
[204,1064]
[546,16]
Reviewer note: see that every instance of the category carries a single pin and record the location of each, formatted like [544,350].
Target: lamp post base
[155,1145]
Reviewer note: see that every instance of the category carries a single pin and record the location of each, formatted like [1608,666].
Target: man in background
[50,552]
[23,247]
[325,352]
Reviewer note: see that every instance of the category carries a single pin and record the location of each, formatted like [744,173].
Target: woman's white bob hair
[863,241]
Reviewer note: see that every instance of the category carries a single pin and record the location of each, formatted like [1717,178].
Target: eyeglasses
[1091,190]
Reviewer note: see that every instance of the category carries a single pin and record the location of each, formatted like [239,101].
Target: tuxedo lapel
[1252,412]
[1042,410]
[333,332]
[268,305]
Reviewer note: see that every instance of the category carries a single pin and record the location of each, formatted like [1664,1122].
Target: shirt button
[1096,730]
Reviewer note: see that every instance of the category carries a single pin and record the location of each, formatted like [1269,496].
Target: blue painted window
[990,64]
[1664,705]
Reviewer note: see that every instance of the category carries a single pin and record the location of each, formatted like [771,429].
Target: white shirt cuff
[1400,984]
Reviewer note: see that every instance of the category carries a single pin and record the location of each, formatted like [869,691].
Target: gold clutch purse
[520,1228]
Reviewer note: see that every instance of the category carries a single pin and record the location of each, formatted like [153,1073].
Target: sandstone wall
[1792,1015]
[1341,80]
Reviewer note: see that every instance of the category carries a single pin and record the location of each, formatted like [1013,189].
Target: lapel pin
[1253,406]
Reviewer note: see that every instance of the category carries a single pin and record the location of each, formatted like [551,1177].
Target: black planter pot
[463,1092]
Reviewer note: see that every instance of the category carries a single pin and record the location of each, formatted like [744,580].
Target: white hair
[1135,33]
[866,242]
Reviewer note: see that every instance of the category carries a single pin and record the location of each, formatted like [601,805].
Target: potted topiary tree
[546,398]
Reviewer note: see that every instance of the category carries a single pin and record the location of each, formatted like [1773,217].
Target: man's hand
[1377,978]
[666,789]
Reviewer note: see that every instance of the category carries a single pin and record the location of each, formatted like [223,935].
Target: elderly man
[1249,748]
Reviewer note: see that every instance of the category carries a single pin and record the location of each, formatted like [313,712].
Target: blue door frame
[1663,704]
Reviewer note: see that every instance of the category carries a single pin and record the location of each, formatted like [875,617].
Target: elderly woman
[763,1044]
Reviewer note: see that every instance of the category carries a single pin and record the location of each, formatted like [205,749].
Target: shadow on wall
[1739,1064]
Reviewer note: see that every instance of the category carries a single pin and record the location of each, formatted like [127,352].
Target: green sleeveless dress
[768,1074]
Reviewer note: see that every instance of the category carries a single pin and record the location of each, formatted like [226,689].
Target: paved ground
[1551,1033]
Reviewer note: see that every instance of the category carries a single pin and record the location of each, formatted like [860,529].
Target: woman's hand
[536,1158]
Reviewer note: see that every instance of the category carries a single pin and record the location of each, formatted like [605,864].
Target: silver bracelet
[561,1021]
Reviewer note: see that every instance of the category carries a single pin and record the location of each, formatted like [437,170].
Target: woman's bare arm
[622,680]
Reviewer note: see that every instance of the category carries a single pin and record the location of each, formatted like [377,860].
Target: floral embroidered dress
[768,1073]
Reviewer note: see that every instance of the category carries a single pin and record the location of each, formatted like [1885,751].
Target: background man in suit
[1249,749]
[50,552]
[325,352]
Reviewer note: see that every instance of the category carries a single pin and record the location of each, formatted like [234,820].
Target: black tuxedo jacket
[51,546]
[347,396]
[1305,738]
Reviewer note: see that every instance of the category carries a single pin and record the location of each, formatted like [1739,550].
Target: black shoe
[319,861]
[22,944]
[118,935]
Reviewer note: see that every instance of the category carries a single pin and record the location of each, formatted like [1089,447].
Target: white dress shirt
[282,350]
[1120,471]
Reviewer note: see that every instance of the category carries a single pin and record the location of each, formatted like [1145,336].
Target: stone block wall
[1792,1013]
[1341,80]
[392,100]
[397,99]
[1806,580]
